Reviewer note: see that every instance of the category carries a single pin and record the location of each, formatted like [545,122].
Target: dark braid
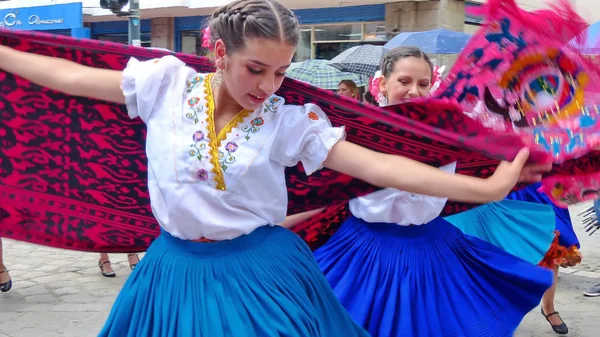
[391,57]
[253,19]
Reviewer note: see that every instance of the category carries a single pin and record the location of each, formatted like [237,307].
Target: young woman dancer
[394,263]
[217,146]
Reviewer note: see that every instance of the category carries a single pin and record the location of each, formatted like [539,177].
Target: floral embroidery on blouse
[231,147]
[214,148]
[198,136]
[313,116]
[202,174]
[253,127]
[272,105]
[195,109]
[191,85]
[198,146]
[226,157]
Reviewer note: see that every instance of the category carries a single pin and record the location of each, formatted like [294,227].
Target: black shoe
[105,273]
[6,286]
[560,329]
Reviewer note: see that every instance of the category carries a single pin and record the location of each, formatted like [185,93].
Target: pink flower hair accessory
[206,39]
[436,78]
[374,87]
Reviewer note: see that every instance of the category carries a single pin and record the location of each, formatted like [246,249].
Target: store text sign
[63,16]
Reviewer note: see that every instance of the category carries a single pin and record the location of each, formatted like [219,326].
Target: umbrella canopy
[319,74]
[364,59]
[591,43]
[439,41]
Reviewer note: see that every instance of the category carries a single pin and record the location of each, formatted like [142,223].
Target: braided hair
[242,20]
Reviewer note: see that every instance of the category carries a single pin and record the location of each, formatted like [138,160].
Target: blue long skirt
[523,229]
[264,284]
[563,222]
[429,281]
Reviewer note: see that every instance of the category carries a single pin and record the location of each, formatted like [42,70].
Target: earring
[382,99]
[219,64]
[217,78]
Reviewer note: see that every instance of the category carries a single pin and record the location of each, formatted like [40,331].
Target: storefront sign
[63,16]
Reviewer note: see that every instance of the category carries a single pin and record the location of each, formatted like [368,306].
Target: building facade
[327,27]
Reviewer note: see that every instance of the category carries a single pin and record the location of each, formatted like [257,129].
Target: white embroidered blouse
[218,186]
[390,205]
[399,207]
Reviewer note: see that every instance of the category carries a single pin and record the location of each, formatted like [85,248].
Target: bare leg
[2,266]
[133,260]
[4,277]
[548,300]
[5,281]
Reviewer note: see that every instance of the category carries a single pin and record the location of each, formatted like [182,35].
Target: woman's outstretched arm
[398,172]
[63,75]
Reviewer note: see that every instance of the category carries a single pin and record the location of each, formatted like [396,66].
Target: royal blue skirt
[265,284]
[429,281]
[523,229]
[563,222]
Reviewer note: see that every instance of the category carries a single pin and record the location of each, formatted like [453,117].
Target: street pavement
[59,293]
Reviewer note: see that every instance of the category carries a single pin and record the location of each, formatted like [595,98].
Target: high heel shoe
[105,273]
[6,286]
[561,328]
[132,265]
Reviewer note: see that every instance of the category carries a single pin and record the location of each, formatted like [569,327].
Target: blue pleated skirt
[429,281]
[563,222]
[523,229]
[264,284]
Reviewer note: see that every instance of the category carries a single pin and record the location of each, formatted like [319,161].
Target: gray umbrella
[319,74]
[364,59]
[439,41]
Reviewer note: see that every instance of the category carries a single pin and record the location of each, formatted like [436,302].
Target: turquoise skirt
[523,229]
[563,224]
[265,284]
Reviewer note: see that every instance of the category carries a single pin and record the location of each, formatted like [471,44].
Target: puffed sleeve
[304,135]
[149,85]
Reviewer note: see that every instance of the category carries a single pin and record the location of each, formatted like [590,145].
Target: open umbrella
[364,59]
[321,75]
[439,41]
[591,40]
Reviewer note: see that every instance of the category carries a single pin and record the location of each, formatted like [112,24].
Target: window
[328,41]
[304,46]
[375,32]
[352,32]
[327,51]
[191,43]
[124,38]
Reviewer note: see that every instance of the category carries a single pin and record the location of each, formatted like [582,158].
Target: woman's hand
[508,174]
